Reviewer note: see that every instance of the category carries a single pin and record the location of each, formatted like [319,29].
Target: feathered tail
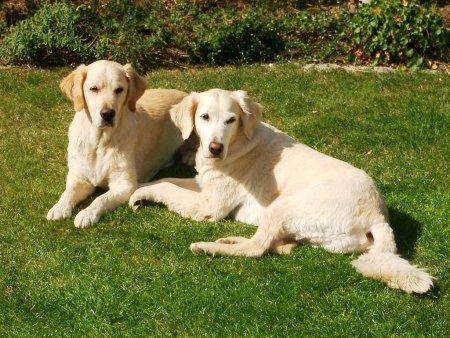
[382,263]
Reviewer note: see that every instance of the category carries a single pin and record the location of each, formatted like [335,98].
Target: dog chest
[96,165]
[248,211]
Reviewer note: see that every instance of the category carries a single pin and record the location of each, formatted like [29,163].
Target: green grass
[132,273]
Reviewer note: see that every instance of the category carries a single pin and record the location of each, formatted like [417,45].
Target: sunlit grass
[133,275]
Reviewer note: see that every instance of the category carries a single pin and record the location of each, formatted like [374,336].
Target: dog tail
[382,262]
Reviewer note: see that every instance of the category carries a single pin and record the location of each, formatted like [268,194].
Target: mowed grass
[132,273]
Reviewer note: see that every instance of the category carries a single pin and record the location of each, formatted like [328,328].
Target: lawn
[132,273]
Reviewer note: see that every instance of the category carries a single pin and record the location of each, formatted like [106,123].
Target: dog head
[217,117]
[104,89]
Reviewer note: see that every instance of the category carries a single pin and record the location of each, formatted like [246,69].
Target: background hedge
[164,33]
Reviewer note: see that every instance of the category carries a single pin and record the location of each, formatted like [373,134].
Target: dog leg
[269,232]
[284,247]
[186,183]
[223,249]
[232,240]
[188,203]
[114,197]
[76,191]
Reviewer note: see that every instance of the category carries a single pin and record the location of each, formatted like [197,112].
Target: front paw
[205,248]
[138,198]
[59,212]
[86,218]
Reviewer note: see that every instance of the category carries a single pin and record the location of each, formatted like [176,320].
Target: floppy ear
[137,86]
[252,112]
[183,113]
[72,87]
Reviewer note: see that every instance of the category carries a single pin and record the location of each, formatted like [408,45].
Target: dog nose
[107,114]
[216,148]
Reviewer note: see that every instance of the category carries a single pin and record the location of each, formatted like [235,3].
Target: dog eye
[230,120]
[205,117]
[94,89]
[118,90]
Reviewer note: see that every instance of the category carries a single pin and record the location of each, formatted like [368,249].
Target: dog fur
[121,134]
[252,172]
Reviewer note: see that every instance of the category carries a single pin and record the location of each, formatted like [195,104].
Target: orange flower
[398,20]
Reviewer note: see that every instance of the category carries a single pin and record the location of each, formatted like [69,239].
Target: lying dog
[114,139]
[251,172]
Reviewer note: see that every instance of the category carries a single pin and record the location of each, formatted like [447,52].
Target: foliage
[401,32]
[61,33]
[313,36]
[3,23]
[153,33]
[125,31]
[50,36]
[229,35]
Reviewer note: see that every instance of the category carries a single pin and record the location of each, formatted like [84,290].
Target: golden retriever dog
[121,134]
[252,172]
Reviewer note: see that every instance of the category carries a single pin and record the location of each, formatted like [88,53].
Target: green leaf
[409,53]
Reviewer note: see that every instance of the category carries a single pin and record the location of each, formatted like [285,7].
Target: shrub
[151,33]
[2,17]
[62,33]
[313,36]
[229,35]
[51,36]
[401,32]
[125,31]
[145,33]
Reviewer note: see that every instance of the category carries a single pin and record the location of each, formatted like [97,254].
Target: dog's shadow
[407,230]
[178,170]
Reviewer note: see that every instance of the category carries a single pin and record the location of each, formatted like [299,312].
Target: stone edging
[363,69]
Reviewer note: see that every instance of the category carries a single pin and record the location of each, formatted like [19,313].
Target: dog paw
[137,200]
[135,204]
[202,248]
[86,218]
[58,212]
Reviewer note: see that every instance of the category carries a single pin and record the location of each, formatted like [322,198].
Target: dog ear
[252,112]
[72,87]
[183,113]
[137,86]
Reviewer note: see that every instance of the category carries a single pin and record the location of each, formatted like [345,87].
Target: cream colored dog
[114,139]
[251,172]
